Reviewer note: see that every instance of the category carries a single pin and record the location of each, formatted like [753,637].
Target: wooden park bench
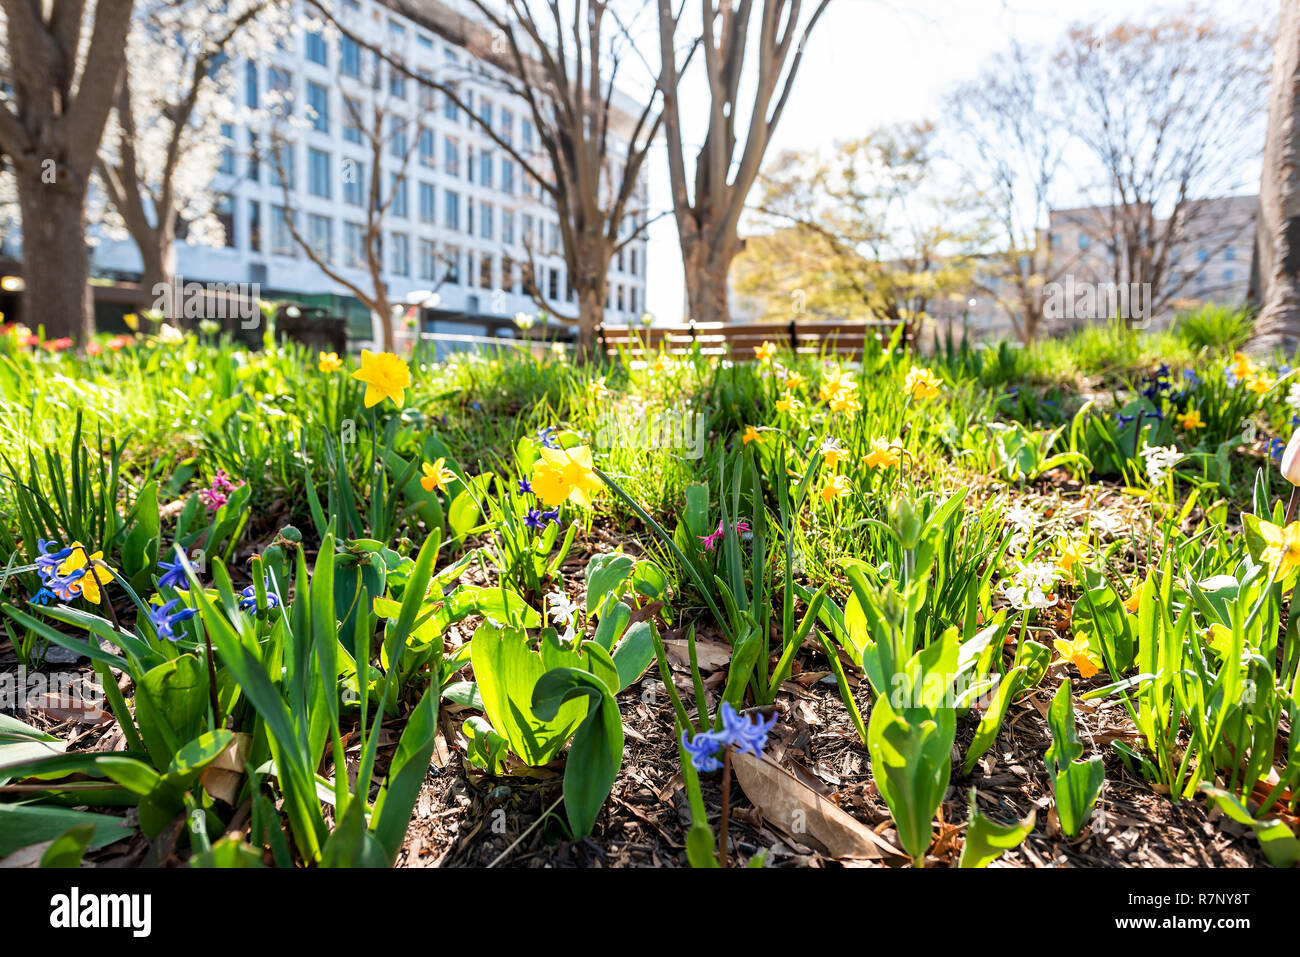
[737,340]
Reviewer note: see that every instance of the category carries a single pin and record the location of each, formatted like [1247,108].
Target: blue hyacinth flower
[49,557]
[743,734]
[546,437]
[165,622]
[248,598]
[703,749]
[525,487]
[174,575]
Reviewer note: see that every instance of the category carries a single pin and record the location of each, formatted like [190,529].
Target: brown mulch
[464,818]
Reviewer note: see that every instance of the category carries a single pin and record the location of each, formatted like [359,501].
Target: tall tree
[873,228]
[1011,137]
[708,209]
[1277,241]
[64,63]
[1169,110]
[564,61]
[163,146]
[390,137]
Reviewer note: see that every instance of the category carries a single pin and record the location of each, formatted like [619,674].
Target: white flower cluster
[1293,395]
[1160,461]
[1030,586]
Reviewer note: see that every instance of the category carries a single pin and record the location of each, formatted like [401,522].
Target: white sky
[872,62]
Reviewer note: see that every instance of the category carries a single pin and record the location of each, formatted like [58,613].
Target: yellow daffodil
[329,362]
[561,475]
[1259,384]
[793,380]
[846,402]
[1071,552]
[386,377]
[836,386]
[1241,366]
[788,403]
[836,486]
[766,352]
[921,383]
[884,454]
[662,364]
[1077,653]
[96,574]
[1282,547]
[1190,421]
[833,454]
[596,388]
[436,476]
[1135,594]
[751,435]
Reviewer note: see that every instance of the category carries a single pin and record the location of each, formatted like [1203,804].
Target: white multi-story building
[465,221]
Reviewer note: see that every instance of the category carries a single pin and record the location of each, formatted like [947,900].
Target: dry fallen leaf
[710,654]
[803,815]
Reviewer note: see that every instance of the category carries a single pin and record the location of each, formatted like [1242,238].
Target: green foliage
[1076,783]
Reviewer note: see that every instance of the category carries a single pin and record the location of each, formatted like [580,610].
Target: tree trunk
[706,284]
[591,313]
[158,272]
[1277,236]
[56,263]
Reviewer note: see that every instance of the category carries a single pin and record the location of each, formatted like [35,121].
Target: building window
[426,148]
[428,259]
[282,166]
[506,128]
[351,120]
[279,81]
[485,220]
[507,177]
[316,50]
[254,173]
[450,156]
[526,135]
[1083,241]
[553,285]
[485,161]
[1228,275]
[1230,253]
[320,233]
[254,226]
[250,85]
[225,209]
[401,264]
[424,92]
[485,272]
[354,245]
[354,182]
[1202,255]
[451,262]
[397,195]
[426,203]
[318,173]
[450,209]
[318,100]
[469,215]
[397,136]
[508,227]
[227,149]
[281,236]
[349,57]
